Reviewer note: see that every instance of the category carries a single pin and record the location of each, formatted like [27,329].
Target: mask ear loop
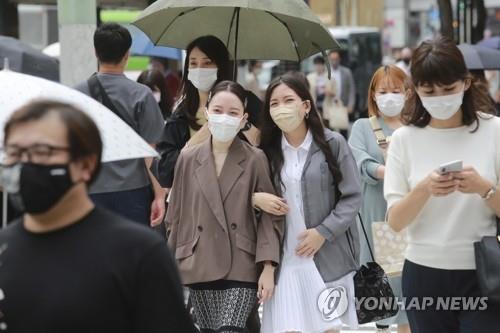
[307,113]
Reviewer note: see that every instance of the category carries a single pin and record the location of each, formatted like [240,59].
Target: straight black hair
[216,51]
[111,43]
[319,60]
[155,79]
[271,134]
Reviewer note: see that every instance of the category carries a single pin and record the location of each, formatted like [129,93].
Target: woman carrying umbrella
[207,63]
[225,255]
[316,173]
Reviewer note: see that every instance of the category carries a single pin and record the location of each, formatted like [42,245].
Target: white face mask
[223,127]
[203,78]
[390,104]
[157,96]
[443,107]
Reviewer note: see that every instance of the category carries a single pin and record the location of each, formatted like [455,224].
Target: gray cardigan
[335,219]
[369,157]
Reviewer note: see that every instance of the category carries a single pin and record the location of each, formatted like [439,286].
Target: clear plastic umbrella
[120,141]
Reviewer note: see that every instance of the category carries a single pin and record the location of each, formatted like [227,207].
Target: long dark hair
[215,49]
[271,135]
[440,62]
[155,79]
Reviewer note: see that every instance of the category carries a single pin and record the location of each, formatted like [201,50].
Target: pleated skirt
[294,305]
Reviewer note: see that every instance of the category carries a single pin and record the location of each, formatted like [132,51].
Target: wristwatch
[490,193]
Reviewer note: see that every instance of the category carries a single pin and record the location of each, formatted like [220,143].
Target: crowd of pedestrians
[259,197]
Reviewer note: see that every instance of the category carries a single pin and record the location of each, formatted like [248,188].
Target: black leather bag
[487,253]
[374,296]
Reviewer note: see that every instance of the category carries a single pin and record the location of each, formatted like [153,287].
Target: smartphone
[455,166]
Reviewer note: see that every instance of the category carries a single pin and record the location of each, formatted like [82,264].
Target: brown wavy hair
[440,62]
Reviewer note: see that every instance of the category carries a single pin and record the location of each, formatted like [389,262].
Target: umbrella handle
[236,16]
[4,210]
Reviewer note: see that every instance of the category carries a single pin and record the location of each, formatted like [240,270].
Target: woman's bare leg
[404,328]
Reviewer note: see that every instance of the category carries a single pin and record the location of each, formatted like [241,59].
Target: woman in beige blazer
[224,254]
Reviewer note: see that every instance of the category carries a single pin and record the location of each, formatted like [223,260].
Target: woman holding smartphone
[449,119]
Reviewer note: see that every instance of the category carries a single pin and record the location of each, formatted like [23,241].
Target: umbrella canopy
[480,58]
[143,46]
[120,141]
[25,59]
[256,29]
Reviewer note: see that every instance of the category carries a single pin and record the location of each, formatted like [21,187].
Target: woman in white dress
[315,172]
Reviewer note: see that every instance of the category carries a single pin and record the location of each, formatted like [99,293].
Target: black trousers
[422,281]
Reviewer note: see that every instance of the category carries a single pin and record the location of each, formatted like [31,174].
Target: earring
[307,115]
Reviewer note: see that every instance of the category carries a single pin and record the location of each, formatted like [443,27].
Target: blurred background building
[371,32]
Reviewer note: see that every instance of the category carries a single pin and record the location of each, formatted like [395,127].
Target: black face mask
[35,188]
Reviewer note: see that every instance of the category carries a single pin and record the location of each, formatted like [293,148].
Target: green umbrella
[251,29]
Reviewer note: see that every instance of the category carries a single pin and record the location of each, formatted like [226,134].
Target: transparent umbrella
[120,142]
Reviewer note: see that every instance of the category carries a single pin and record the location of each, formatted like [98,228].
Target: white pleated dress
[293,306]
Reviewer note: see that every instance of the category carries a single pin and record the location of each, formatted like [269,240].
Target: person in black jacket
[207,63]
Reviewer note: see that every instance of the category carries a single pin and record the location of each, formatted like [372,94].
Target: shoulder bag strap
[382,140]
[98,93]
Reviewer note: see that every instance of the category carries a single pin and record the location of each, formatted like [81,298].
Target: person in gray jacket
[315,173]
[344,83]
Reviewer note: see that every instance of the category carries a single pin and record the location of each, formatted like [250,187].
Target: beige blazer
[214,232]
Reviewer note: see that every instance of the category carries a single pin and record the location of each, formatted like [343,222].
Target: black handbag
[374,296]
[487,253]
